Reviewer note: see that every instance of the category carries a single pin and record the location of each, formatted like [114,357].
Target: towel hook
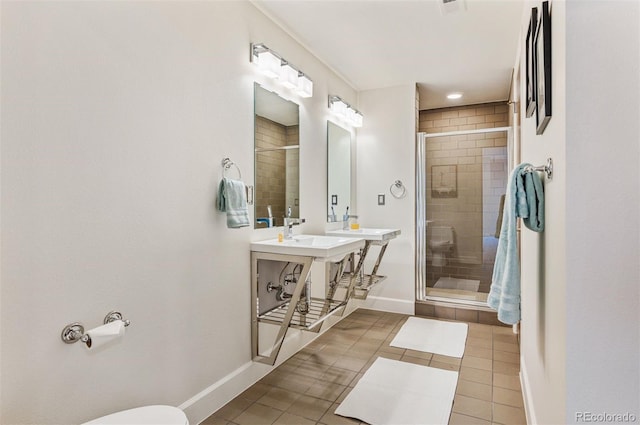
[547,168]
[226,164]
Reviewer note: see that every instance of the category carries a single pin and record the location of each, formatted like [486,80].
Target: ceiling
[383,43]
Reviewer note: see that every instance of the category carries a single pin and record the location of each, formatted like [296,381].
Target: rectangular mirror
[277,165]
[338,171]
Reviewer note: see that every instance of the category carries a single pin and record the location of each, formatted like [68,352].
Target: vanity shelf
[319,310]
[365,281]
[363,284]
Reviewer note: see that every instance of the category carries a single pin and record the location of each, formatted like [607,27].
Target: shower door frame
[421,209]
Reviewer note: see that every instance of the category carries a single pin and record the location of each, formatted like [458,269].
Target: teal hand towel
[524,198]
[534,219]
[232,200]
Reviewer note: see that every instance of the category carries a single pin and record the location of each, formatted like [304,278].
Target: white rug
[432,336]
[395,392]
[455,283]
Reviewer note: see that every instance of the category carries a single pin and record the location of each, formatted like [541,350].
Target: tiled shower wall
[471,117]
[494,175]
[271,168]
[292,193]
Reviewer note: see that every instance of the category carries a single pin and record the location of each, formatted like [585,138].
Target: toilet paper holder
[74,332]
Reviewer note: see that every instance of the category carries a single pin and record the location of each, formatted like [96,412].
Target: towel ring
[226,164]
[398,190]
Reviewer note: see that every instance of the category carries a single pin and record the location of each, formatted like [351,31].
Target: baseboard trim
[212,398]
[526,394]
[392,305]
[202,405]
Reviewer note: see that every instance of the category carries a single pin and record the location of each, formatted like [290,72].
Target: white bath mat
[432,336]
[455,283]
[395,392]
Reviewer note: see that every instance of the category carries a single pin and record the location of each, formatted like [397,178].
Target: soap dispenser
[354,222]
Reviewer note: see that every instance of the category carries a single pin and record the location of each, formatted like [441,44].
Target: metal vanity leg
[333,285]
[254,305]
[374,272]
[291,308]
[363,254]
[355,273]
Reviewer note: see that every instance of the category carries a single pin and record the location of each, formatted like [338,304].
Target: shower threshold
[449,300]
[456,296]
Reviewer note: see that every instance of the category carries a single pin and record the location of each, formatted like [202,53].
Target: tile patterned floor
[307,388]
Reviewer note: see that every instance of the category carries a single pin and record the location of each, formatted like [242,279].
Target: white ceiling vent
[452,6]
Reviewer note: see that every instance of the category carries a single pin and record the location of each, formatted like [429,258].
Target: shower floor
[438,294]
[457,283]
[463,281]
[461,289]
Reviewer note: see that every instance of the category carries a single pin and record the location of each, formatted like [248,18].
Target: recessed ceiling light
[454,95]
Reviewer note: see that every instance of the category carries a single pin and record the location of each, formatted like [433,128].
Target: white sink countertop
[370,234]
[321,247]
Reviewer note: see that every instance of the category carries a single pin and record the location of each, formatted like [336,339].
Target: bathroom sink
[320,247]
[369,234]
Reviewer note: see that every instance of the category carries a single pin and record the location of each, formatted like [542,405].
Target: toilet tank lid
[146,415]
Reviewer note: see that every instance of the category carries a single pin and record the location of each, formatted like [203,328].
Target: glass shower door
[462,177]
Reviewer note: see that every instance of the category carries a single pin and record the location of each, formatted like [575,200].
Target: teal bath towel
[232,200]
[525,199]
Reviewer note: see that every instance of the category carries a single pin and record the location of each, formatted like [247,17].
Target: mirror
[338,171]
[277,165]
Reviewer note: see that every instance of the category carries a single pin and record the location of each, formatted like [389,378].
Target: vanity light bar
[305,85]
[344,111]
[268,62]
[288,76]
[275,66]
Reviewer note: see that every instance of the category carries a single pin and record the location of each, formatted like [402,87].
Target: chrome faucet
[288,224]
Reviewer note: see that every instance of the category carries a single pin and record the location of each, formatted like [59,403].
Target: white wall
[603,208]
[115,118]
[386,153]
[544,255]
[580,300]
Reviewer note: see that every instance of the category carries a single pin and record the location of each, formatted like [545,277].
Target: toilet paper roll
[104,334]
